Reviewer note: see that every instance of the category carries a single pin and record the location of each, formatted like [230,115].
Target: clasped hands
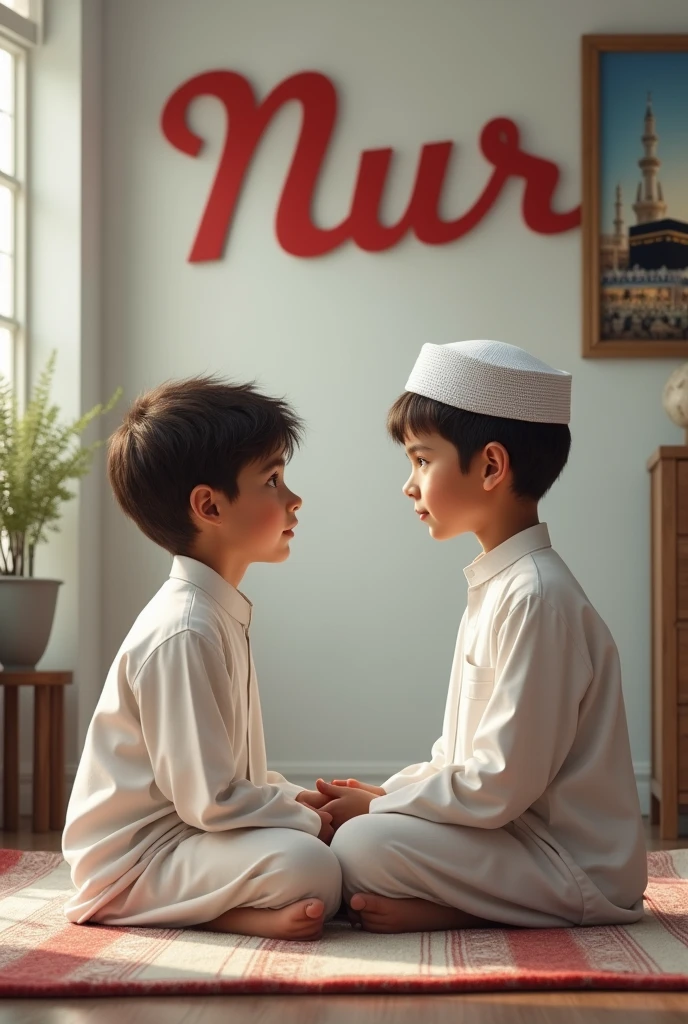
[337,801]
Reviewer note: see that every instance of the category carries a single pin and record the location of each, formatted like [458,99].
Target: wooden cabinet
[669,783]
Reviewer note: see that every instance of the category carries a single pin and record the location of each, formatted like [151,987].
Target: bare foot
[382,914]
[302,921]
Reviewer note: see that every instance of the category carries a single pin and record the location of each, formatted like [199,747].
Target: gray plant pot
[27,609]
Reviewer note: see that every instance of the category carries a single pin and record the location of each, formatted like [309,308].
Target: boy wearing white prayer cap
[527,812]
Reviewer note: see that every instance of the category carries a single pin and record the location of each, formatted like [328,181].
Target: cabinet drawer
[682,664]
[682,577]
[682,496]
[683,750]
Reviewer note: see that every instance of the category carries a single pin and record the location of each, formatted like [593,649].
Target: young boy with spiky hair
[174,820]
[527,813]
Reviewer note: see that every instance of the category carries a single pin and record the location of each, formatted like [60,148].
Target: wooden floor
[517,1008]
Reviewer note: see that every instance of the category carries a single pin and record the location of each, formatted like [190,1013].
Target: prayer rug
[41,954]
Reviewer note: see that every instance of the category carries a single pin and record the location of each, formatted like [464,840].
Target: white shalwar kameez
[174,818]
[527,813]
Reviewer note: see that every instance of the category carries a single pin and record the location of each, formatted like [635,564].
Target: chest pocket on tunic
[477,685]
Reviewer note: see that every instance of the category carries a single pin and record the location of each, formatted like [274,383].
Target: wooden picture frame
[629,310]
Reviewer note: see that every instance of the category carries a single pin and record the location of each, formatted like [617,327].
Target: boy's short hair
[538,451]
[189,432]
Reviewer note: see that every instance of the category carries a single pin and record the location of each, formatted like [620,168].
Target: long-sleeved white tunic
[176,741]
[535,728]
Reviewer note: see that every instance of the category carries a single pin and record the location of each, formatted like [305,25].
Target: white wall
[354,635]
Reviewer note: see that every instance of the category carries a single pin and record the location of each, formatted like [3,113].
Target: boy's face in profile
[261,519]
[447,500]
[258,524]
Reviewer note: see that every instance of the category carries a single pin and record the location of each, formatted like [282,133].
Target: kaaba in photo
[659,243]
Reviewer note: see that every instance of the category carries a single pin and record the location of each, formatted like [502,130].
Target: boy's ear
[204,504]
[496,465]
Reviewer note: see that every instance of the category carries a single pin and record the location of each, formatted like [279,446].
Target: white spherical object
[675,396]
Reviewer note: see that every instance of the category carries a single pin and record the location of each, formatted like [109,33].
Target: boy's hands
[338,801]
[312,798]
[326,828]
[315,800]
[344,801]
[355,784]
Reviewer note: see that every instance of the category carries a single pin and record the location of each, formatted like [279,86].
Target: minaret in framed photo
[649,204]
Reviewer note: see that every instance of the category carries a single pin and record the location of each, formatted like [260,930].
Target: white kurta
[534,745]
[175,755]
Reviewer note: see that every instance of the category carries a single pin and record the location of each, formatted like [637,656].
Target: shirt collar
[487,566]
[206,579]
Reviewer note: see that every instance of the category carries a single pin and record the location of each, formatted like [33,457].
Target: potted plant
[39,455]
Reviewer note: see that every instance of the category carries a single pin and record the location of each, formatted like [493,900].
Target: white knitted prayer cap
[492,378]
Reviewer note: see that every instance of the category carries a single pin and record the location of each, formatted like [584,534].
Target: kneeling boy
[527,813]
[174,819]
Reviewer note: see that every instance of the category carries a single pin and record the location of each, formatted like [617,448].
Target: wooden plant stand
[48,748]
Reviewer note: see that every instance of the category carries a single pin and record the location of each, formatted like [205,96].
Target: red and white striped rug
[41,954]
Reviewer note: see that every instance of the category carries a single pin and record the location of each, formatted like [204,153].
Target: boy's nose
[409,488]
[295,502]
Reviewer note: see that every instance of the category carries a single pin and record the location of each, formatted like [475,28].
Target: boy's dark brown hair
[538,451]
[189,432]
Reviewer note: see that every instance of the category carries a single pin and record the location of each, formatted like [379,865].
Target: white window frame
[18,35]
[15,28]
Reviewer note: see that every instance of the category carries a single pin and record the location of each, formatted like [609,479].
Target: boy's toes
[368,903]
[376,913]
[315,909]
[358,902]
[302,920]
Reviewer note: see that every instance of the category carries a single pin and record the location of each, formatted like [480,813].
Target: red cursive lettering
[296,232]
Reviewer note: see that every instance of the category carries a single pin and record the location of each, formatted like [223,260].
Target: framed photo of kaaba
[635,196]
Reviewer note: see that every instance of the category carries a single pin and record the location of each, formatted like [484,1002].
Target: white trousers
[506,875]
[208,873]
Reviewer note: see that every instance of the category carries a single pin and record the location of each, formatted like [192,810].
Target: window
[12,213]
[20,6]
[20,21]
[20,25]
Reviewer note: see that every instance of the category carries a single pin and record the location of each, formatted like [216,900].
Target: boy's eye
[272,482]
[420,460]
